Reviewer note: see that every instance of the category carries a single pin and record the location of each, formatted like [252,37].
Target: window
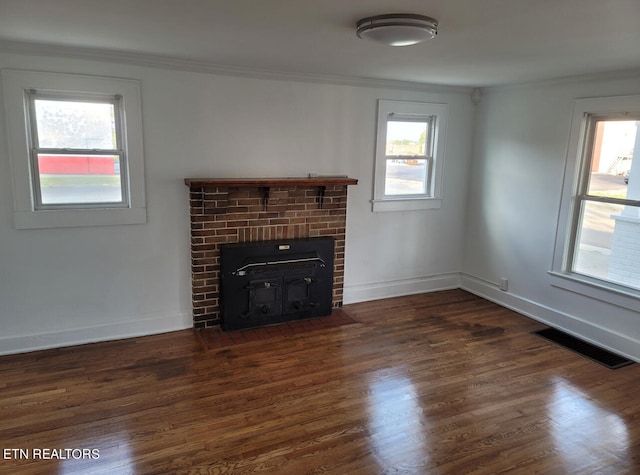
[409,155]
[77,153]
[600,212]
[76,150]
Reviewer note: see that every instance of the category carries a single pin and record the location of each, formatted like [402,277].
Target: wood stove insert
[270,282]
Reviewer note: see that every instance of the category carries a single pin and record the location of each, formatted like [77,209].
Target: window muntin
[77,155]
[605,202]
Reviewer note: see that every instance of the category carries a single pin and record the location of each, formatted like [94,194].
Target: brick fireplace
[249,210]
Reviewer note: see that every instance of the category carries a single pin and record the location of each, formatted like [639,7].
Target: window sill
[592,288]
[405,204]
[79,217]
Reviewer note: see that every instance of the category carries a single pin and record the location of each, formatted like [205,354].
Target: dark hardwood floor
[442,383]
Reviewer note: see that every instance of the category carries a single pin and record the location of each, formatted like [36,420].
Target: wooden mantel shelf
[268,182]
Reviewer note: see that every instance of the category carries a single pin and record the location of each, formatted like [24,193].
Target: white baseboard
[80,336]
[603,337]
[597,335]
[397,288]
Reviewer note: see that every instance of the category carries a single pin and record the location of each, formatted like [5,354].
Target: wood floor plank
[440,383]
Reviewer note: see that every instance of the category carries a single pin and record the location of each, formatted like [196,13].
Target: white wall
[73,285]
[520,148]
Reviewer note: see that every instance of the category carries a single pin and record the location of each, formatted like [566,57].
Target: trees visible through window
[409,155]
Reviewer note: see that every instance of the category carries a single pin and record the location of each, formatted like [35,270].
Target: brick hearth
[243,210]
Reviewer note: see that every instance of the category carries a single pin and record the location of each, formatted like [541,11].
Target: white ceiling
[480,42]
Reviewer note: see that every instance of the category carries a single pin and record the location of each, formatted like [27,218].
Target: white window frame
[573,193]
[28,211]
[436,115]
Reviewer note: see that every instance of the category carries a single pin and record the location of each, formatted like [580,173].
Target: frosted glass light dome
[397,29]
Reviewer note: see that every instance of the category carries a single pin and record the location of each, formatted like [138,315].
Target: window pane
[624,267]
[66,179]
[406,177]
[607,246]
[406,138]
[593,243]
[73,124]
[612,154]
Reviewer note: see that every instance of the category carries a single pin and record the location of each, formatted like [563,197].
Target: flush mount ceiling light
[397,29]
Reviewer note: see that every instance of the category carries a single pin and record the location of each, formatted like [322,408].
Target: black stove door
[306,296]
[265,298]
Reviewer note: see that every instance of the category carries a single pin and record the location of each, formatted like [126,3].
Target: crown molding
[566,80]
[198,66]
